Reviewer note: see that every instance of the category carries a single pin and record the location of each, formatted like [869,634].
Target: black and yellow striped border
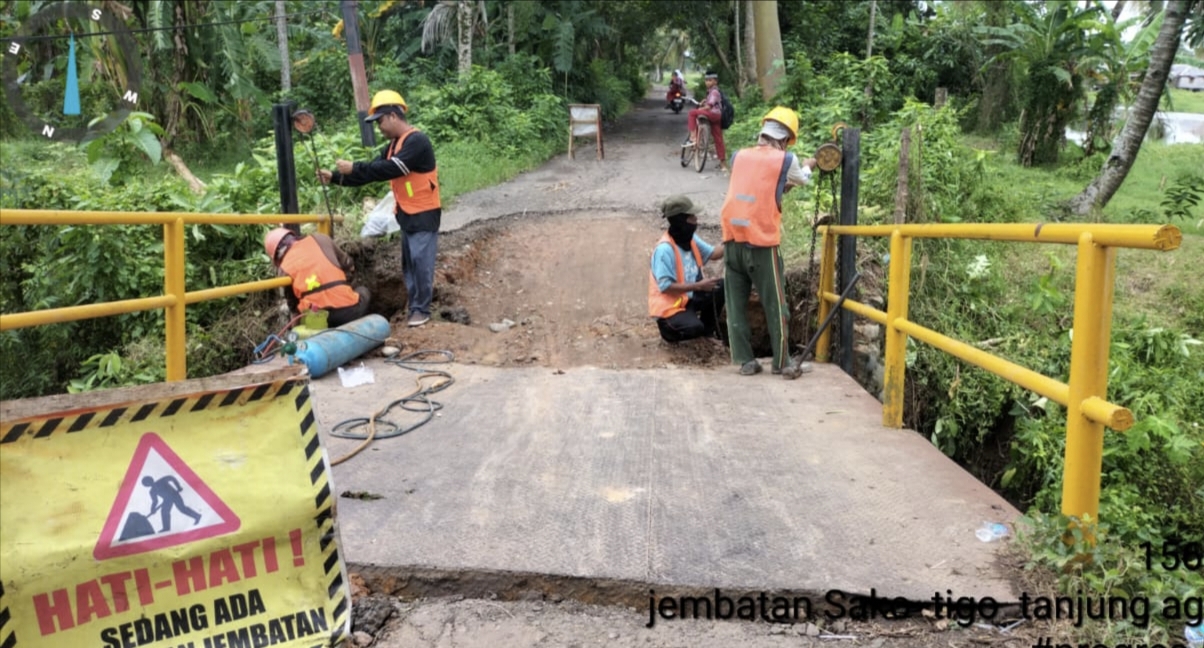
[137,412]
[8,636]
[319,476]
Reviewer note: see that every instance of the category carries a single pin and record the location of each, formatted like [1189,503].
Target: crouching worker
[318,269]
[685,305]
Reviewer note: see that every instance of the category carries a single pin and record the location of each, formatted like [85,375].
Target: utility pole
[359,78]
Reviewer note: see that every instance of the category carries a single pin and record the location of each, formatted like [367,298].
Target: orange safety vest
[668,303]
[752,211]
[317,282]
[415,192]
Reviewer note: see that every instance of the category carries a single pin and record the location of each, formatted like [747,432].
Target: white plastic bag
[381,220]
[356,376]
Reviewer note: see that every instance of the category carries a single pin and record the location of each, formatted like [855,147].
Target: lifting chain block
[827,157]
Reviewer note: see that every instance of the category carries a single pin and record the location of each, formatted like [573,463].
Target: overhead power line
[49,37]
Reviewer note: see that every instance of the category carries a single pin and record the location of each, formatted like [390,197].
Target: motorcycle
[676,103]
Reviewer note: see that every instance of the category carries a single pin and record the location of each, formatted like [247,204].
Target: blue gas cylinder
[326,350]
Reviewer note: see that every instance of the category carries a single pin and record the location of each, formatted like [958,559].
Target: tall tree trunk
[994,106]
[1118,9]
[770,61]
[286,69]
[869,52]
[1128,143]
[720,49]
[869,40]
[741,78]
[174,121]
[464,21]
[750,41]
[510,27]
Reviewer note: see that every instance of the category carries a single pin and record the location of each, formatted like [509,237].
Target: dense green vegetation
[1017,74]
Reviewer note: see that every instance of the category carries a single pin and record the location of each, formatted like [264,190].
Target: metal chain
[813,281]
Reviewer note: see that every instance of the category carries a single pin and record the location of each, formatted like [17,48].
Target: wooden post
[920,216]
[942,95]
[901,187]
[359,78]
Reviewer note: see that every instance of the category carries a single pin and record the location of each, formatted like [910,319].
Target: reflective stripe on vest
[752,212]
[670,302]
[317,282]
[415,192]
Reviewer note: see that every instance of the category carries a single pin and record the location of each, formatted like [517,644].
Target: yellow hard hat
[785,117]
[382,99]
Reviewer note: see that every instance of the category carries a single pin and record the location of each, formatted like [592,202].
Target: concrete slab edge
[414,582]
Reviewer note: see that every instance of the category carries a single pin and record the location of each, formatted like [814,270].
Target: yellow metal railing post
[173,286]
[896,339]
[1094,282]
[827,281]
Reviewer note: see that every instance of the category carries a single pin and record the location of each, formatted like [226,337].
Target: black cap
[385,110]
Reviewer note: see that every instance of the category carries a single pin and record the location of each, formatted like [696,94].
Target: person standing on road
[408,164]
[685,304]
[752,232]
[318,269]
[711,108]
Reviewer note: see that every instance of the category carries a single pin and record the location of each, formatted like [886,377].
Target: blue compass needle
[71,96]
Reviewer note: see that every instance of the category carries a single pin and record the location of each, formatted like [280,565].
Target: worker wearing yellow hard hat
[752,221]
[408,165]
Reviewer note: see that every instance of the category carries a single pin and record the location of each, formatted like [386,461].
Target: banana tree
[1048,45]
[1115,69]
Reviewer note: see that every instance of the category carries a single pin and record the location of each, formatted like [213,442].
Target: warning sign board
[194,514]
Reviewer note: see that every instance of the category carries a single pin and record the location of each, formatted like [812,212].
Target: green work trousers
[748,267]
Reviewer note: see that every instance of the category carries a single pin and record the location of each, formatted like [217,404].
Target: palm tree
[436,28]
[1128,143]
[677,43]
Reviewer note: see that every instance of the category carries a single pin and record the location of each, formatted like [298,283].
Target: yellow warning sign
[198,516]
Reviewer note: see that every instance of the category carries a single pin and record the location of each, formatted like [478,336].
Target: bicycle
[701,149]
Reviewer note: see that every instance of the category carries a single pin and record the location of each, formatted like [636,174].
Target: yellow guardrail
[175,297]
[1085,396]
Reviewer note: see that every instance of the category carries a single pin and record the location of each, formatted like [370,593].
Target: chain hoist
[827,159]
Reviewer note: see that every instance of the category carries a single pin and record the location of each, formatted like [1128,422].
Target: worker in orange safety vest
[752,223]
[408,164]
[318,269]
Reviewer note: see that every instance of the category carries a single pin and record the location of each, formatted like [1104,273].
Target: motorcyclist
[677,86]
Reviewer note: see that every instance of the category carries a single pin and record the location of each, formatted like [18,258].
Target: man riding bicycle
[711,109]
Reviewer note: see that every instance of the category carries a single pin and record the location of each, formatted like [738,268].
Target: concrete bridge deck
[600,484]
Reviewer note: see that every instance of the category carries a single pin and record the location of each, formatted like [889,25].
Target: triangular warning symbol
[161,503]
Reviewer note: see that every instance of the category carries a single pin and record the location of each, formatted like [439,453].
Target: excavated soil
[568,290]
[564,290]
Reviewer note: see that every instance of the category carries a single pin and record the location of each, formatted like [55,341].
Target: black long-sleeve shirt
[417,155]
